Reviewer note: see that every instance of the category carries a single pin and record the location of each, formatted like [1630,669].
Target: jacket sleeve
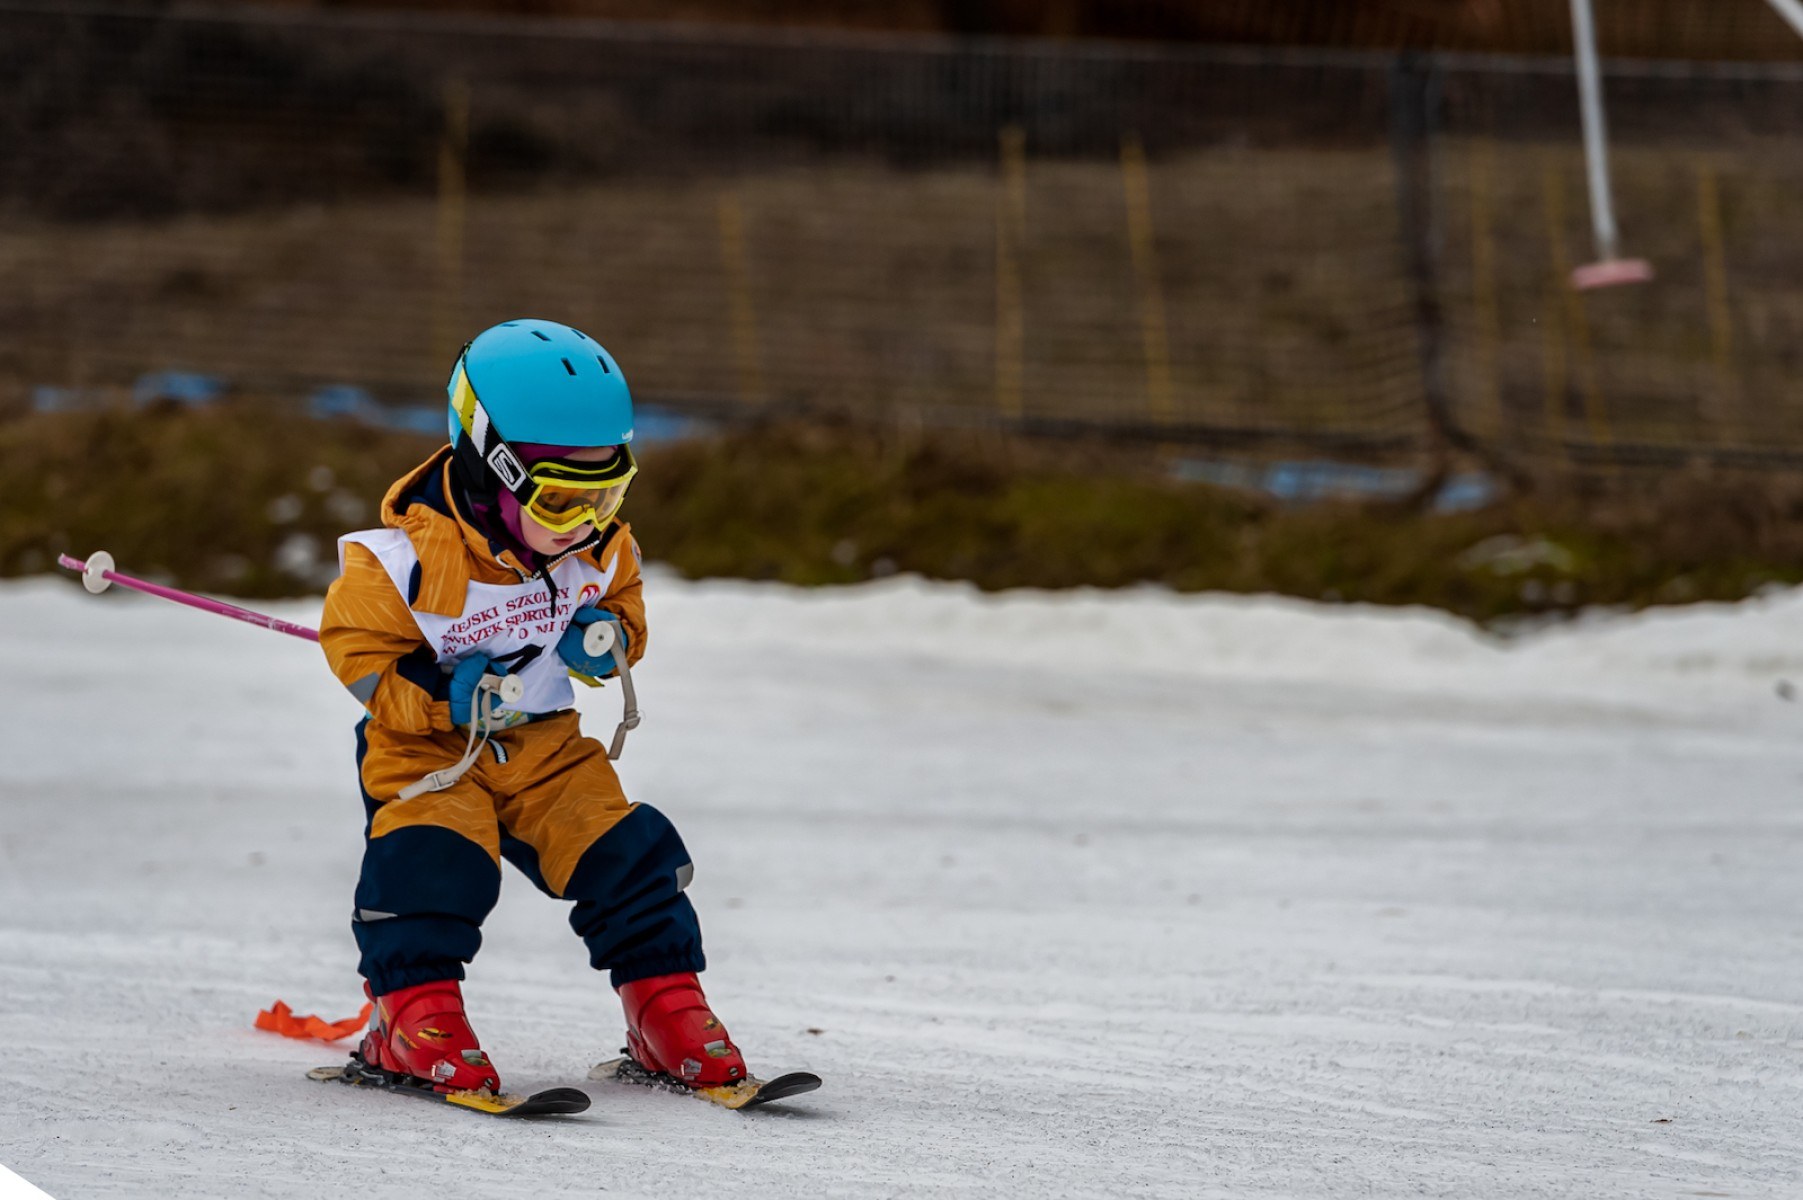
[374,647]
[625,596]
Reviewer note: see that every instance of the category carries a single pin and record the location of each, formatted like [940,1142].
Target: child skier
[496,554]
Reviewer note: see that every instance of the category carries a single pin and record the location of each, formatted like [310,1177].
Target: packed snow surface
[1072,894]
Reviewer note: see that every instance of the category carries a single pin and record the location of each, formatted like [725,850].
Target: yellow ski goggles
[566,493]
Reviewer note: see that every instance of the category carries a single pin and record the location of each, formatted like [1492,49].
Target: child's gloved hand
[465,682]
[570,646]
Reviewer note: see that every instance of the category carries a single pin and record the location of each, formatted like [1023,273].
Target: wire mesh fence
[1347,253]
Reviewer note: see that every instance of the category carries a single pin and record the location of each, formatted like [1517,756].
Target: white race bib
[515,624]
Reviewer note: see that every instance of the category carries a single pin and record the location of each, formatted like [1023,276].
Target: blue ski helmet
[538,381]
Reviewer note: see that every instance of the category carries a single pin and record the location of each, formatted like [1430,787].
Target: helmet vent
[603,363]
[568,367]
[540,335]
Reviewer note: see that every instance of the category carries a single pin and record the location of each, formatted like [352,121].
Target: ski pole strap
[491,691]
[599,638]
[629,709]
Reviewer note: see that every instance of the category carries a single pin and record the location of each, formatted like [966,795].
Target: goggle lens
[563,509]
[561,503]
[557,502]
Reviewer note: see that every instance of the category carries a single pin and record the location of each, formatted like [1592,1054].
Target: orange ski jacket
[368,631]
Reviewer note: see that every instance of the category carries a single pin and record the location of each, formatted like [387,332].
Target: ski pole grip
[507,687]
[598,638]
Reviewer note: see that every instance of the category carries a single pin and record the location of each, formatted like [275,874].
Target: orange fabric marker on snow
[279,1018]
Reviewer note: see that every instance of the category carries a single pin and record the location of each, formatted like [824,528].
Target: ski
[552,1102]
[747,1093]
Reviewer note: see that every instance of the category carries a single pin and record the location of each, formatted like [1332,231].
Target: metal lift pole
[1610,268]
[1791,11]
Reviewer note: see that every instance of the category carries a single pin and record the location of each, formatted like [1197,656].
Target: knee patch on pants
[630,908]
[420,902]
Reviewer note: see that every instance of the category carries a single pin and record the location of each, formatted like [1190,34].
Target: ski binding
[747,1093]
[357,1073]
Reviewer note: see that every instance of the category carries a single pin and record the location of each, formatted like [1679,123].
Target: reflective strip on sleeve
[364,689]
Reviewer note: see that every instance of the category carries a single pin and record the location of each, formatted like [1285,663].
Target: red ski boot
[670,1029]
[421,1031]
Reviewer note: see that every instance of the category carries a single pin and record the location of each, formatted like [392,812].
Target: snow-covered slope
[1080,894]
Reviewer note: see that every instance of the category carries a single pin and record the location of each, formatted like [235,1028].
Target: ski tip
[747,1093]
[552,1102]
[783,1087]
[561,1101]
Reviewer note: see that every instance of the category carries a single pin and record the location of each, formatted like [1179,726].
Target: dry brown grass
[237,500]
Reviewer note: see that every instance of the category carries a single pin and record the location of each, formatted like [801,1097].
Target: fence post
[453,183]
[1575,319]
[1553,338]
[746,346]
[1482,178]
[1010,234]
[1137,184]
[1414,108]
[1721,318]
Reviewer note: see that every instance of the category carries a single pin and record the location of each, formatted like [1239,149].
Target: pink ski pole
[97,575]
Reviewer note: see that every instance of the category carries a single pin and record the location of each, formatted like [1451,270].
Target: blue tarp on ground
[1302,481]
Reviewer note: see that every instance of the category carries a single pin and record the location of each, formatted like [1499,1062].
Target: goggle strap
[491,448]
[570,474]
[510,471]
